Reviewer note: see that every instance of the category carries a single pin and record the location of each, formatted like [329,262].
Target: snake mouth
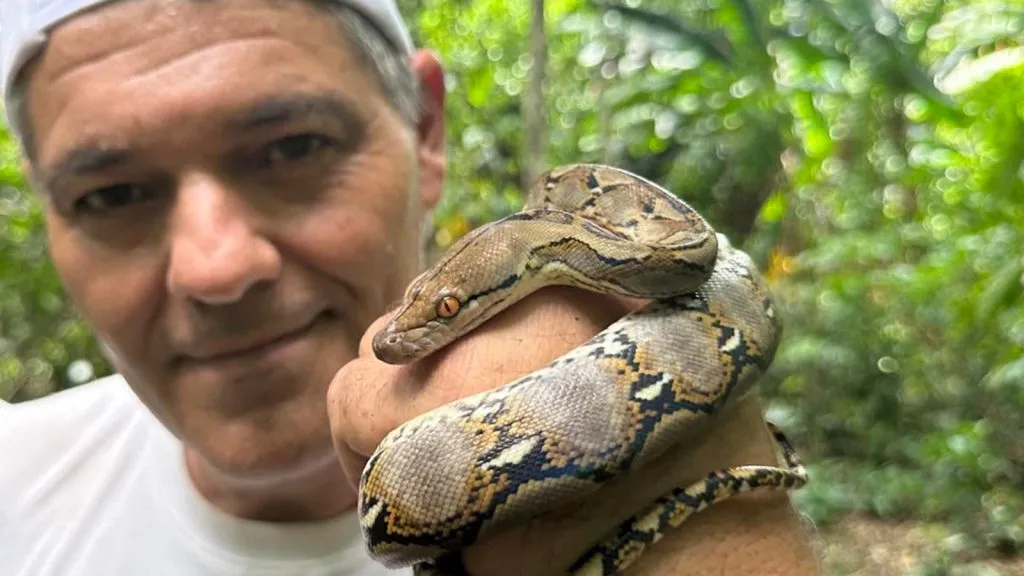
[394,346]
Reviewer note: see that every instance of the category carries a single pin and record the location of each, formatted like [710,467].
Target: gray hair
[373,49]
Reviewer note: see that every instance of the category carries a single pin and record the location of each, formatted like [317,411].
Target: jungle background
[868,154]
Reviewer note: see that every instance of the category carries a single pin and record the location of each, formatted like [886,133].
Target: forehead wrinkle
[139,24]
[69,73]
[293,105]
[183,46]
[186,54]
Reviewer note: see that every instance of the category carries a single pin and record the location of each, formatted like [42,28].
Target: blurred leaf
[713,45]
[1002,288]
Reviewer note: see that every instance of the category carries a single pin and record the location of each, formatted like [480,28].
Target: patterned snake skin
[464,471]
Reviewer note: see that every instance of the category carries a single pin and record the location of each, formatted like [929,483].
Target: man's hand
[368,399]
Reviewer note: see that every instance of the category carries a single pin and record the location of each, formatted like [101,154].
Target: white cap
[24,25]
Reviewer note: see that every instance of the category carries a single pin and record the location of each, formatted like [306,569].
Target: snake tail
[638,533]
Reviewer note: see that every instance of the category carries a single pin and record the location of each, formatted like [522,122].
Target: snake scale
[469,469]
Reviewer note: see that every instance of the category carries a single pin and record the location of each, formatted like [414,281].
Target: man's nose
[217,249]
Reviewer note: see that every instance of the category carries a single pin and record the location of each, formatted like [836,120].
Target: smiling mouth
[255,348]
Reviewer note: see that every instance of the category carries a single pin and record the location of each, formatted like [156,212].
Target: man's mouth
[251,346]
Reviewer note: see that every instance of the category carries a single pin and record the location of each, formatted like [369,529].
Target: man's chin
[250,454]
[273,484]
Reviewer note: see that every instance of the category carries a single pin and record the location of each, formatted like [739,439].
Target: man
[233,193]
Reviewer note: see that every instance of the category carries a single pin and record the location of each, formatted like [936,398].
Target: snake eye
[448,307]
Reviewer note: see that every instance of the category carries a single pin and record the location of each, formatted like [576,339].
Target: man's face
[230,201]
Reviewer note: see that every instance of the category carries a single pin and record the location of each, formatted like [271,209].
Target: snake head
[430,317]
[464,289]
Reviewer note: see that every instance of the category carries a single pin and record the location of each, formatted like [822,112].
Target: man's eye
[295,148]
[111,198]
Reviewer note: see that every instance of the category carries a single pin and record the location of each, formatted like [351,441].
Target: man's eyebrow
[292,108]
[82,160]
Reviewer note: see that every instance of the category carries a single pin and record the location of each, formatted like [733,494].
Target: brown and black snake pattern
[464,471]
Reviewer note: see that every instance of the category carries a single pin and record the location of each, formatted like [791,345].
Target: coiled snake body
[454,475]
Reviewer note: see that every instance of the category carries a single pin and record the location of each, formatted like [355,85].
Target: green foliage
[887,213]
[41,336]
[906,327]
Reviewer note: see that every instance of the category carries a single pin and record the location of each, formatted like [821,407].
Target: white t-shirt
[91,484]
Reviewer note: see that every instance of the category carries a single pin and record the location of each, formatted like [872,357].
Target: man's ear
[430,130]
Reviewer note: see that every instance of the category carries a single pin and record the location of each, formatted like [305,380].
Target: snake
[705,335]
